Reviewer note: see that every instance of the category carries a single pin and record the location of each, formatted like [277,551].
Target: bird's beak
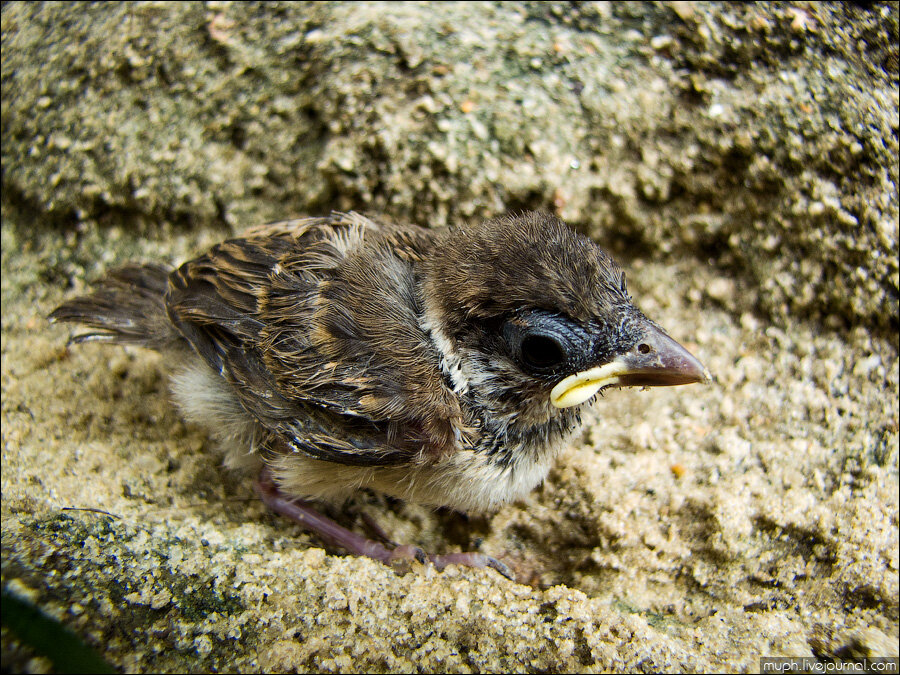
[655,361]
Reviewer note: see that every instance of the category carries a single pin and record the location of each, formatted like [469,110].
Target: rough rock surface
[740,160]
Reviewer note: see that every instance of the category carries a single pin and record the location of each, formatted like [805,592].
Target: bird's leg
[303,513]
[376,529]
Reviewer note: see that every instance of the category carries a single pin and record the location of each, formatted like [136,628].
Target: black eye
[542,352]
[544,343]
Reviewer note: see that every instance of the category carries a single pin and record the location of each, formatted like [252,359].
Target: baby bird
[442,366]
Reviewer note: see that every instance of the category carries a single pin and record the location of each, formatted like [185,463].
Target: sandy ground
[687,529]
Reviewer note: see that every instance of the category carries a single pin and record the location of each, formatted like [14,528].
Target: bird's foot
[401,556]
[397,557]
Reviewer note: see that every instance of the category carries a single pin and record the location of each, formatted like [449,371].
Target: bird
[444,366]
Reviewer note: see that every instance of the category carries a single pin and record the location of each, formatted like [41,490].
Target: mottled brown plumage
[441,366]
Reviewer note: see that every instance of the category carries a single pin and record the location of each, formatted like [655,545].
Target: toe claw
[501,567]
[471,559]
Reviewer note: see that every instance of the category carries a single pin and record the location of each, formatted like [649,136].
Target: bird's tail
[126,306]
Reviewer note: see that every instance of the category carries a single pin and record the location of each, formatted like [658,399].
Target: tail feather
[127,306]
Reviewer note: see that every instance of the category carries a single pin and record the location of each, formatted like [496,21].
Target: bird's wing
[316,324]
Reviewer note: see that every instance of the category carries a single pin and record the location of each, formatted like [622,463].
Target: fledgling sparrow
[441,366]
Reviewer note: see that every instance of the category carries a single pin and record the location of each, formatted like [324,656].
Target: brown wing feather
[315,322]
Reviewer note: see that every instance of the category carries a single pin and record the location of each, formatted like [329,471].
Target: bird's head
[532,318]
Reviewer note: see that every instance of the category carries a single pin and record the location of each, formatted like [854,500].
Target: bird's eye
[542,352]
[543,343]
